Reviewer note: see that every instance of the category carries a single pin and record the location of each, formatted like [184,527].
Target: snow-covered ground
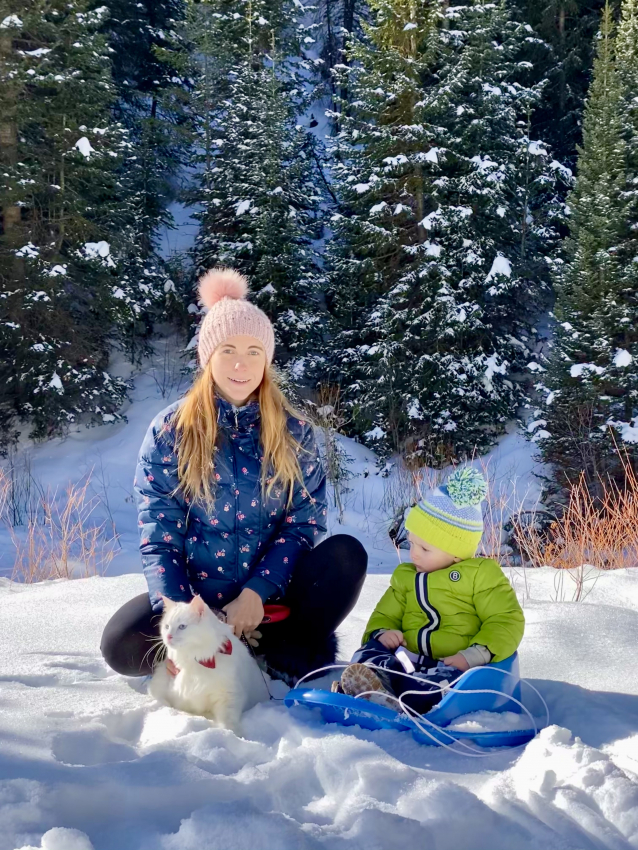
[88,760]
[84,749]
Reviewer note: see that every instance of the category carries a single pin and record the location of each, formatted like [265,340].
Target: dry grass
[597,532]
[59,540]
[329,415]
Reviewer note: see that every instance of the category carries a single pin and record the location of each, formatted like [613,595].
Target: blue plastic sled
[349,711]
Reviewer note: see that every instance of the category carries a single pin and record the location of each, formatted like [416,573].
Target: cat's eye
[182,626]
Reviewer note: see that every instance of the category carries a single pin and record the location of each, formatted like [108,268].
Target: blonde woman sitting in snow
[231,496]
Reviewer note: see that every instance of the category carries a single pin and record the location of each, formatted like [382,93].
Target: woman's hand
[459,661]
[392,639]
[245,613]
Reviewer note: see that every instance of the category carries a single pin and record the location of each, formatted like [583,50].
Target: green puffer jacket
[445,611]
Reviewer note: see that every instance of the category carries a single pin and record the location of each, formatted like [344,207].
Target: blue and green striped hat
[450,517]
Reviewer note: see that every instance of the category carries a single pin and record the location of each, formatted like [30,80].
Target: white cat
[217,677]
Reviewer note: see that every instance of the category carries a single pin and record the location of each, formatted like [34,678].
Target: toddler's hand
[459,661]
[392,639]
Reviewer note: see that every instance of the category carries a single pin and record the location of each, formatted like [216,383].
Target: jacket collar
[236,417]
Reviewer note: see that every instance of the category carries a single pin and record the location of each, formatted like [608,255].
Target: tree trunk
[11,213]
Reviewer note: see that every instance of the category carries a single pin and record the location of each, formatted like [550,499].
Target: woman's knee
[118,637]
[348,552]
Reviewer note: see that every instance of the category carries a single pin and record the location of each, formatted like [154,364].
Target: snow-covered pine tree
[560,47]
[59,257]
[627,64]
[258,188]
[592,402]
[380,158]
[337,21]
[149,57]
[438,263]
[150,66]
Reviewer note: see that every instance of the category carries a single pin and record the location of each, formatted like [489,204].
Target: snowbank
[89,762]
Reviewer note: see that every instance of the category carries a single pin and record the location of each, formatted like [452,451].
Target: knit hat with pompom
[223,292]
[450,516]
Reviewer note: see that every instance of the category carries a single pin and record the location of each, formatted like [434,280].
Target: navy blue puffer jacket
[242,540]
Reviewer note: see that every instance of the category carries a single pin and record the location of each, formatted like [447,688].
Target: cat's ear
[168,603]
[198,605]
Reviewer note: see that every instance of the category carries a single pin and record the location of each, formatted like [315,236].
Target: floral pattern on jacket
[243,540]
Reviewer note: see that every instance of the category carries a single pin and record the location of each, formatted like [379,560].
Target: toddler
[447,609]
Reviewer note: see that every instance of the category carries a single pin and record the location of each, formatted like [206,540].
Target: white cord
[417,718]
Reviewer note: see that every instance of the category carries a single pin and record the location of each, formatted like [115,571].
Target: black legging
[325,586]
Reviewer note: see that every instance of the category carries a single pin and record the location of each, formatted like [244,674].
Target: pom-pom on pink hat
[223,292]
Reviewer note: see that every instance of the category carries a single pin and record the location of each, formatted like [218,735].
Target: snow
[563,169]
[97,249]
[493,367]
[430,219]
[10,21]
[242,207]
[28,250]
[537,149]
[60,838]
[84,146]
[577,370]
[501,265]
[622,358]
[88,761]
[86,750]
[628,430]
[56,383]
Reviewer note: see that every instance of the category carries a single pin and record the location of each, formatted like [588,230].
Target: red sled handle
[275,613]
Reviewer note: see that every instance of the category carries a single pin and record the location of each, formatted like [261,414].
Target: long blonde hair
[196,431]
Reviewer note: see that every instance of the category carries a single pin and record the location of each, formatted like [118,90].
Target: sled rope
[418,719]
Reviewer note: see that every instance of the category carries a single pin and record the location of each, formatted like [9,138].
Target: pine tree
[260,204]
[67,281]
[560,47]
[627,64]
[592,379]
[149,68]
[438,262]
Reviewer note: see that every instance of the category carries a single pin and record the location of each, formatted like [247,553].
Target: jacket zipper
[236,483]
[425,634]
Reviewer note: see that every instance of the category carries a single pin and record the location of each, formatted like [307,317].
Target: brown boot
[358,679]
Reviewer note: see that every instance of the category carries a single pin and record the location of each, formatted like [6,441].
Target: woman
[231,496]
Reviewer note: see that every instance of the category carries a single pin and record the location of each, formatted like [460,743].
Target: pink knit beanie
[223,291]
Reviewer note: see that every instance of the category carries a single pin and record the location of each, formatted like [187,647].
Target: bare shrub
[595,532]
[23,490]
[60,540]
[328,415]
[169,371]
